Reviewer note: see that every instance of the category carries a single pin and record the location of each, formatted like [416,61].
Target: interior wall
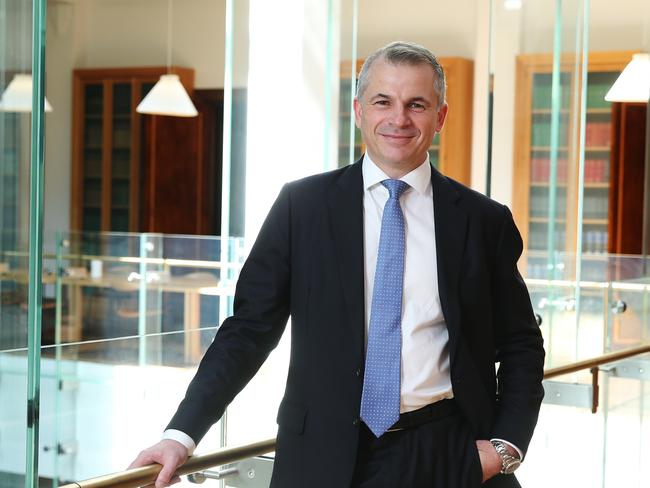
[106,33]
[134,33]
[63,22]
[445,31]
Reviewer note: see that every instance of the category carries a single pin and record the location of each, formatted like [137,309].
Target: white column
[289,92]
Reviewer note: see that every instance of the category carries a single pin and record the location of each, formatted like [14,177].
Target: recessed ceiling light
[512,4]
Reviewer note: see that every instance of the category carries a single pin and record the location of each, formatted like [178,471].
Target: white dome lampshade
[633,84]
[168,97]
[18,95]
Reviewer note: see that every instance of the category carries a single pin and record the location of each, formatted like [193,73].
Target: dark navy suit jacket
[307,263]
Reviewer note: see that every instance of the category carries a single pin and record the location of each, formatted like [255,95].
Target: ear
[357,112]
[442,115]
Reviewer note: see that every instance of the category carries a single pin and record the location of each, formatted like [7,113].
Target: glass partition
[554,148]
[21,179]
[614,316]
[132,315]
[538,55]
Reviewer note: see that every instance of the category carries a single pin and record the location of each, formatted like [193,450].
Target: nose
[400,116]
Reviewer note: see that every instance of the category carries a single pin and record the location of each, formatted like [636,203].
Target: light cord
[169,36]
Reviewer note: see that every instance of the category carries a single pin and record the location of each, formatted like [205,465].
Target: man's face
[398,114]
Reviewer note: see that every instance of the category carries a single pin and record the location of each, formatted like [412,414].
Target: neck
[396,171]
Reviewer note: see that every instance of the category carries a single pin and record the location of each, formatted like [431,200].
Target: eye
[383,103]
[418,107]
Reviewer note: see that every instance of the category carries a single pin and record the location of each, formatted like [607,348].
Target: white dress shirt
[425,340]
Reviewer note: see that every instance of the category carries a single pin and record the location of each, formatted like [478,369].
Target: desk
[191,285]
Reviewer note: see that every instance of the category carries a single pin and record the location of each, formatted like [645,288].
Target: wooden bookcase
[532,151]
[450,151]
[107,139]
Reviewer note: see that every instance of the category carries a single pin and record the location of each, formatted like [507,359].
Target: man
[403,291]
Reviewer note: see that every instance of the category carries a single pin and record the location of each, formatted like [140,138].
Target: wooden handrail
[597,361]
[133,478]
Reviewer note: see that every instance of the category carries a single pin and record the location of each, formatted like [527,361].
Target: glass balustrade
[608,448]
[126,318]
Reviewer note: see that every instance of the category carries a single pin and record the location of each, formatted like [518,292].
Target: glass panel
[132,315]
[21,167]
[103,402]
[536,61]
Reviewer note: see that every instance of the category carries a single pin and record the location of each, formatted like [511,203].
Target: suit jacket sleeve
[244,340]
[519,345]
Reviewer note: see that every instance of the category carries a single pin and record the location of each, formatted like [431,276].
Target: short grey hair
[401,52]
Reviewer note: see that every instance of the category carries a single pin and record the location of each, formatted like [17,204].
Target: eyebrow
[379,95]
[411,100]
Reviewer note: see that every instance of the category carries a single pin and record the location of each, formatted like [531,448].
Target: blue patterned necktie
[380,400]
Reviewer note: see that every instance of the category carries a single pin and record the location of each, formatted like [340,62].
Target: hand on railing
[169,454]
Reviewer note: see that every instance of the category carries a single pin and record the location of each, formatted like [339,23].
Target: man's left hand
[490,459]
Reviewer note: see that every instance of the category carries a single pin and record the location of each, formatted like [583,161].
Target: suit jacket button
[358,372]
[355,422]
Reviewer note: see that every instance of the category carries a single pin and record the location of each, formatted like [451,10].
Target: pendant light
[512,4]
[168,96]
[17,97]
[633,84]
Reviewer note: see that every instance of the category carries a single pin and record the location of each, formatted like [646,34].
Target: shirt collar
[419,178]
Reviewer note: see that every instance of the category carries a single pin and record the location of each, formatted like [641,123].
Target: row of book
[543,92]
[540,170]
[596,170]
[598,134]
[595,205]
[538,238]
[541,134]
[596,94]
[593,241]
[540,203]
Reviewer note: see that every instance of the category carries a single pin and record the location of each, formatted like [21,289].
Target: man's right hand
[168,453]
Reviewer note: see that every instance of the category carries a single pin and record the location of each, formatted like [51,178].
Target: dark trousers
[438,454]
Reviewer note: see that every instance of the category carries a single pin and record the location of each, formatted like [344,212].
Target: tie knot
[395,187]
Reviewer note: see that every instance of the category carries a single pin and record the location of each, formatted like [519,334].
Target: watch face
[511,466]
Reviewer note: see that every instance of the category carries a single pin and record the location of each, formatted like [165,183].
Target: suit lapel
[451,231]
[346,219]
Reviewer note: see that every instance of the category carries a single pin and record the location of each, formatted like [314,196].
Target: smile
[398,138]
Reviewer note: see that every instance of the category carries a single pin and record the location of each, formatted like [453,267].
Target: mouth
[398,139]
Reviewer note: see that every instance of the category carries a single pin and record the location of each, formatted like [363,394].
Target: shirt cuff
[182,437]
[521,455]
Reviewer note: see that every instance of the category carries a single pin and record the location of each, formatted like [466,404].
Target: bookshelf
[107,146]
[532,186]
[450,151]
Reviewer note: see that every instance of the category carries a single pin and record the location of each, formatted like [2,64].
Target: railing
[137,477]
[133,478]
[593,365]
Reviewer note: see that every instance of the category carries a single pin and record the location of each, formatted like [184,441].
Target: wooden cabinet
[450,151]
[533,168]
[109,157]
[627,179]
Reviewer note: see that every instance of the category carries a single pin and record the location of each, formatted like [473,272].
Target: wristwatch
[509,463]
